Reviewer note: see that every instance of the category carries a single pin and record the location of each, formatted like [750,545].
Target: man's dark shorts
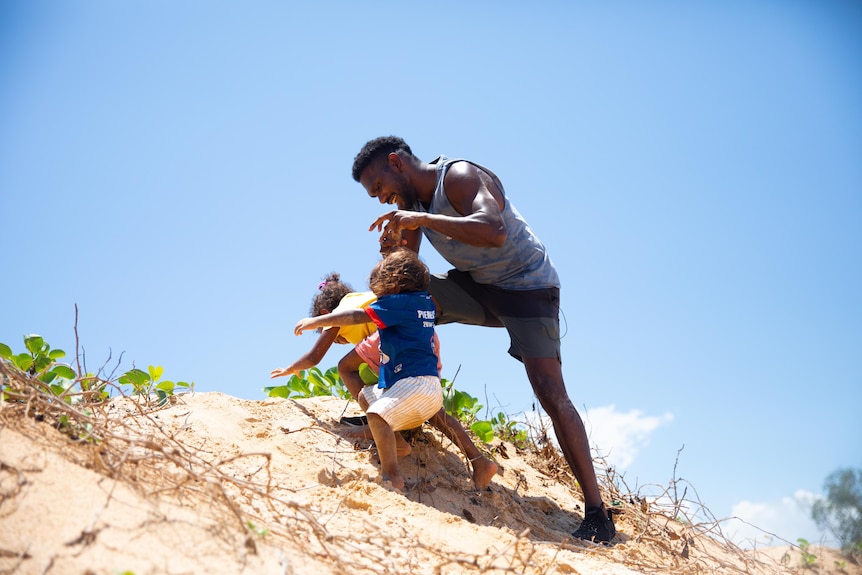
[532,317]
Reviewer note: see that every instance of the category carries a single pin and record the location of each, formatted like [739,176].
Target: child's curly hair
[332,289]
[400,271]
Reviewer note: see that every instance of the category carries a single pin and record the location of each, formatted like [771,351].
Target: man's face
[384,180]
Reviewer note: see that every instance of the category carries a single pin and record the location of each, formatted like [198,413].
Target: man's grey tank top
[522,261]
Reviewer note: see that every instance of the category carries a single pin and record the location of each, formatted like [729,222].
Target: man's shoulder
[462,176]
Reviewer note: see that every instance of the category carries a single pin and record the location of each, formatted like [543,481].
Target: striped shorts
[409,403]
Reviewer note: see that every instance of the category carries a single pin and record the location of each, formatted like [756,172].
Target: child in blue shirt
[409,390]
[335,295]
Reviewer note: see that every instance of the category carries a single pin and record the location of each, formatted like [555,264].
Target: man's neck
[425,181]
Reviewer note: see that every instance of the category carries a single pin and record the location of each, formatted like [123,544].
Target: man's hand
[390,242]
[394,222]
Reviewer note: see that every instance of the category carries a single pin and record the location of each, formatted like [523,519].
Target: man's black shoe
[597,526]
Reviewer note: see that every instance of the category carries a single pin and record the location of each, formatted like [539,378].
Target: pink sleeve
[435,343]
[369,350]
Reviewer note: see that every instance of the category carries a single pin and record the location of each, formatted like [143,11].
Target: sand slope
[219,485]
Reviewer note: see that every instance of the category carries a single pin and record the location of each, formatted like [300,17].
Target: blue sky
[181,172]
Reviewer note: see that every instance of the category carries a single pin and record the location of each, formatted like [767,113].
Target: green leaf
[34,343]
[315,376]
[42,362]
[167,386]
[156,372]
[301,387]
[319,384]
[56,353]
[483,430]
[332,376]
[23,361]
[63,371]
[163,396]
[183,384]
[278,391]
[5,351]
[464,402]
[334,385]
[135,377]
[449,400]
[367,374]
[48,377]
[341,391]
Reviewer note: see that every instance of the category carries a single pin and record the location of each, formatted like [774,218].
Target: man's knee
[548,385]
[553,398]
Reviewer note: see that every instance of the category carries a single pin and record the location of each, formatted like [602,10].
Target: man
[503,277]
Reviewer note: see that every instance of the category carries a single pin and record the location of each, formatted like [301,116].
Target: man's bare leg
[546,377]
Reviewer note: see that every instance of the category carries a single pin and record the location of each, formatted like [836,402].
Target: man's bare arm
[473,194]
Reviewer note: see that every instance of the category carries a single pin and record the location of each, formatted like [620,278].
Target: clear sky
[181,172]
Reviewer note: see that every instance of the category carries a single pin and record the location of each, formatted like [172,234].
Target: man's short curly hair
[400,271]
[376,148]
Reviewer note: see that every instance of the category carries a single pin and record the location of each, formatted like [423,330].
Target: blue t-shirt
[406,324]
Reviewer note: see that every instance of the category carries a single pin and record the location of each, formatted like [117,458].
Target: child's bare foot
[402,448]
[483,471]
[396,480]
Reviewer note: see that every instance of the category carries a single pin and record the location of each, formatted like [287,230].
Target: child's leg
[483,468]
[348,370]
[405,405]
[384,438]
[368,395]
[368,352]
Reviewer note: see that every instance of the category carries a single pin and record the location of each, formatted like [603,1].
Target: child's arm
[310,358]
[338,318]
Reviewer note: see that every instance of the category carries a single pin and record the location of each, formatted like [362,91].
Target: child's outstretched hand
[302,325]
[281,372]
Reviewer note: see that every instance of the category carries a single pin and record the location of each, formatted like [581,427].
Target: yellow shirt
[356,300]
